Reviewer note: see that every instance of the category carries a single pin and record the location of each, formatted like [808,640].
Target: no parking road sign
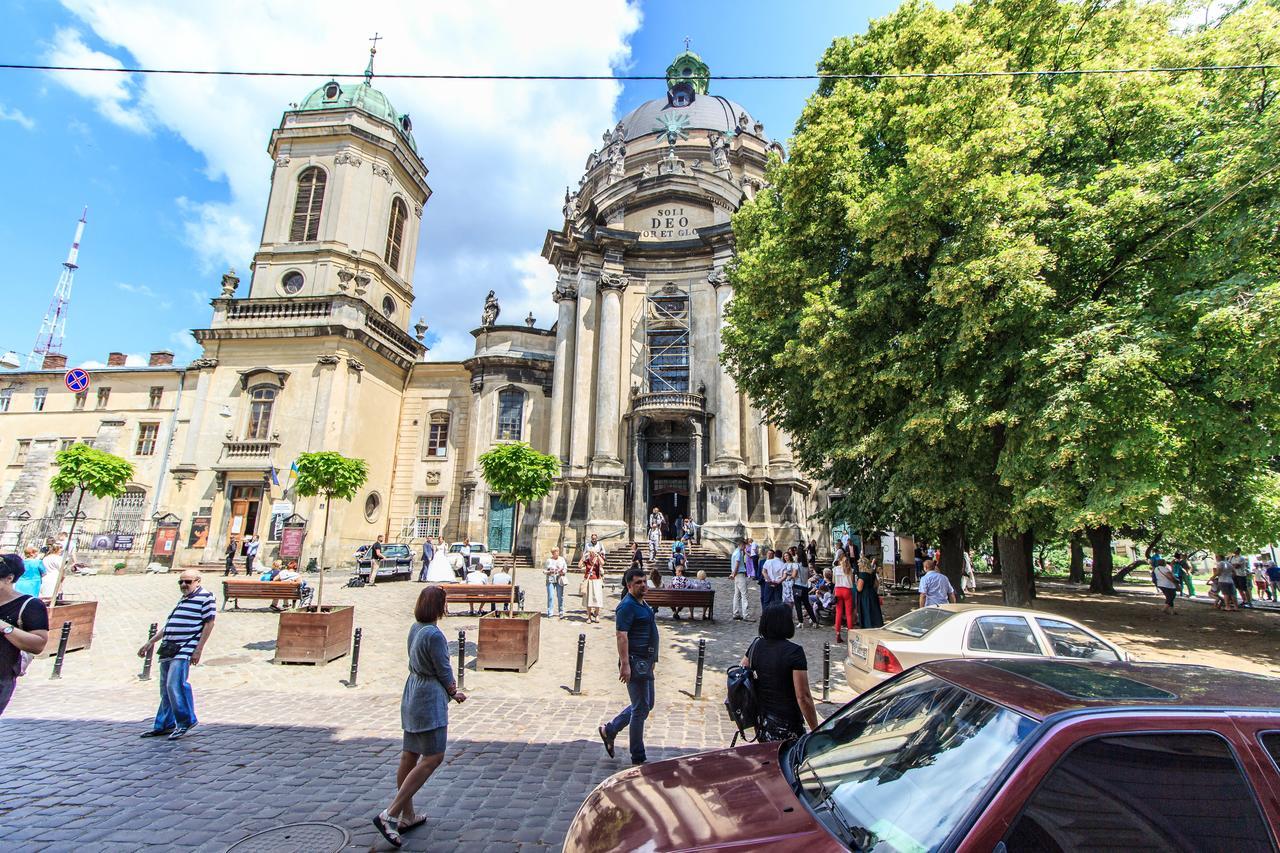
[76,380]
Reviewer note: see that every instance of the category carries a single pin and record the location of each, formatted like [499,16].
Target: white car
[967,631]
[479,554]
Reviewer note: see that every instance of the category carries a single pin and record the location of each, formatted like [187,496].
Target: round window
[388,307]
[372,504]
[331,91]
[292,282]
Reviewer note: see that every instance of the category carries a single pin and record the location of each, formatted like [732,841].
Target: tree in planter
[332,476]
[82,469]
[518,474]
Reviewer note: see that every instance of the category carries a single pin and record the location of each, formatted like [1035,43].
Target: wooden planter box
[508,640]
[306,635]
[81,615]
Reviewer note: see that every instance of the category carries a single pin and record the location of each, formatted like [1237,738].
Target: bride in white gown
[439,570]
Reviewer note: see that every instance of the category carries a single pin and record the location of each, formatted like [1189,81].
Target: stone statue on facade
[230,281]
[570,205]
[491,310]
[719,149]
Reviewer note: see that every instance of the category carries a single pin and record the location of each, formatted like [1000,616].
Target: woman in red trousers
[843,577]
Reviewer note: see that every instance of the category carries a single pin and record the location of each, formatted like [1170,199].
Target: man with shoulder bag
[181,642]
[24,627]
[637,635]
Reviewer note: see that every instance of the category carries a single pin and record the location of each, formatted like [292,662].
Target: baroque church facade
[625,389]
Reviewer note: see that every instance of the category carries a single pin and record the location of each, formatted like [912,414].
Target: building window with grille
[127,511]
[438,436]
[24,447]
[427,520]
[65,443]
[261,401]
[62,505]
[307,205]
[104,397]
[6,395]
[37,401]
[155,397]
[510,414]
[147,434]
[80,399]
[395,233]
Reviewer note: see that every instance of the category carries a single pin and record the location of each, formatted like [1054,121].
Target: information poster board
[199,535]
[166,540]
[291,541]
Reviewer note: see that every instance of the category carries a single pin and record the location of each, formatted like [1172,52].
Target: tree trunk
[515,537]
[952,542]
[1029,546]
[1077,558]
[324,541]
[996,568]
[1100,544]
[1016,557]
[68,560]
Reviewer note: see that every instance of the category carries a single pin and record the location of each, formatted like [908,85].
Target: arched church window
[438,435]
[307,205]
[510,414]
[395,233]
[262,400]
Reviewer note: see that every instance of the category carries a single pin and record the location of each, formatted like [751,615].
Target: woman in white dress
[439,570]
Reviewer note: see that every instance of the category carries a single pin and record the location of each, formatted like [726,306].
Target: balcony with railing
[659,403]
[286,309]
[247,454]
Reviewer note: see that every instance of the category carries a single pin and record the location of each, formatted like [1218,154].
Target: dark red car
[1009,755]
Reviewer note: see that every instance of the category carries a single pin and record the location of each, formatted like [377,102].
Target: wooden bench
[265,590]
[690,598]
[479,593]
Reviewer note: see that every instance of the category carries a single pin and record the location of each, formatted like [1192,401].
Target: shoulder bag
[24,658]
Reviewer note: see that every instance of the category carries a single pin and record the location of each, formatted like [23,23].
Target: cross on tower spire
[686,42]
[373,51]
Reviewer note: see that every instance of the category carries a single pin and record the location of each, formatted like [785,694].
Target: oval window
[372,504]
[388,307]
[292,282]
[331,92]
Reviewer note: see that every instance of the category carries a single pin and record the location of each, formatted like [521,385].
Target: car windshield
[395,551]
[917,623]
[898,769]
[456,548]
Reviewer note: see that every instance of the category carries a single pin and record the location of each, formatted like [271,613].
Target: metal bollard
[355,658]
[702,657]
[462,657]
[62,650]
[577,672]
[826,671]
[146,662]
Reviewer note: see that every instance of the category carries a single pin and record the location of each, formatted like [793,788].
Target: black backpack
[740,699]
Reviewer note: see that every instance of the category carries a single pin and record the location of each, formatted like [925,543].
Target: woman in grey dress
[424,713]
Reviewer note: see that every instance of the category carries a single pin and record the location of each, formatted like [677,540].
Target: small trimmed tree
[86,469]
[335,477]
[519,475]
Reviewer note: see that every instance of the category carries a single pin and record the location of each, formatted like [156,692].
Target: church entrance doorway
[245,501]
[502,517]
[669,492]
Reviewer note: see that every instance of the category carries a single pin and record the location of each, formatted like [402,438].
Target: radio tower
[53,331]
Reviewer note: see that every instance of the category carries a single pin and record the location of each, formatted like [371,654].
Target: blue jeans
[640,691]
[177,704]
[555,590]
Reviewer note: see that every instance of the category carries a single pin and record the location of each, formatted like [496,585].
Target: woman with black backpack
[780,674]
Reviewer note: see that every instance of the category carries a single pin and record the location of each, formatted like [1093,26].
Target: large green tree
[1026,302]
[85,470]
[518,474]
[335,477]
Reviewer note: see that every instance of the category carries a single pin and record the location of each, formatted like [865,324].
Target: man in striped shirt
[181,642]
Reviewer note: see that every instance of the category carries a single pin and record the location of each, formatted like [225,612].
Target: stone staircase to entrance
[519,564]
[618,559]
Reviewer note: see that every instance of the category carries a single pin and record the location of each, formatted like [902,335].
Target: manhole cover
[295,838]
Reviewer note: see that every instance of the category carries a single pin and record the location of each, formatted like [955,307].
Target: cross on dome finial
[686,42]
[373,51]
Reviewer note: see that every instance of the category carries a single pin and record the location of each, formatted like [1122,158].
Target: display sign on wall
[165,541]
[199,535]
[291,541]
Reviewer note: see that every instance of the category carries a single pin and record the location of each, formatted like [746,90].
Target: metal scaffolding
[667,318]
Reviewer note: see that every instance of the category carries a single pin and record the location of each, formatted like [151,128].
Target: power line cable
[894,75]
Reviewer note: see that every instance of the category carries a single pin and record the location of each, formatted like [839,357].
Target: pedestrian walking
[555,570]
[233,546]
[592,566]
[800,594]
[1183,570]
[1273,577]
[935,589]
[867,585]
[780,671]
[375,560]
[32,572]
[424,713]
[738,577]
[637,636]
[428,554]
[53,563]
[774,573]
[842,578]
[251,546]
[182,640]
[655,538]
[1240,577]
[1261,564]
[637,557]
[24,627]
[1167,584]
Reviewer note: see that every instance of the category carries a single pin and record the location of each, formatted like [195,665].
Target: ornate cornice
[355,364]
[613,281]
[327,358]
[717,277]
[563,292]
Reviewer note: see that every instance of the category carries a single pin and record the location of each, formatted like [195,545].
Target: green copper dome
[689,68]
[362,96]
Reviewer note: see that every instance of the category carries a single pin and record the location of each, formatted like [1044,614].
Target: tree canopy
[517,473]
[1028,303]
[330,474]
[101,474]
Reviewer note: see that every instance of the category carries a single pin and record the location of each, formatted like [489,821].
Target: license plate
[858,648]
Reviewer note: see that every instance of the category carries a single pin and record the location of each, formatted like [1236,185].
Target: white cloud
[138,289]
[17,116]
[500,153]
[184,344]
[113,94]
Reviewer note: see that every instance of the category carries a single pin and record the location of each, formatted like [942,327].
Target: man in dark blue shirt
[428,554]
[637,656]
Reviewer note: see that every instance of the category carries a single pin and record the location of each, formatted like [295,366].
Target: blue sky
[174,170]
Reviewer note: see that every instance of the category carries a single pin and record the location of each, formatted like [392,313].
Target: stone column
[638,478]
[562,374]
[580,393]
[205,366]
[695,469]
[728,408]
[608,372]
